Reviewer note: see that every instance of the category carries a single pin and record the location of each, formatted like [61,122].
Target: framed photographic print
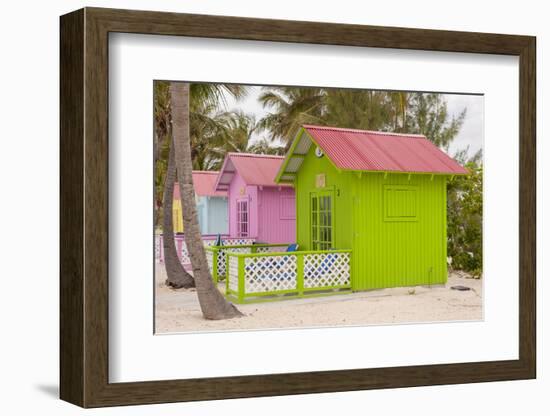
[255,207]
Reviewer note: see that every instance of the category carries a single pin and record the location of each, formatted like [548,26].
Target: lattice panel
[158,249]
[273,249]
[326,269]
[185,259]
[222,258]
[221,262]
[237,241]
[269,274]
[210,260]
[233,273]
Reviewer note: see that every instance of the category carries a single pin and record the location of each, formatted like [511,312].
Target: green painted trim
[300,274]
[275,298]
[215,266]
[317,193]
[227,274]
[270,293]
[290,253]
[288,154]
[318,288]
[298,290]
[386,188]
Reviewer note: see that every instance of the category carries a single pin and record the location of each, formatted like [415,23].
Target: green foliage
[208,126]
[428,116]
[464,220]
[359,109]
[292,107]
[402,112]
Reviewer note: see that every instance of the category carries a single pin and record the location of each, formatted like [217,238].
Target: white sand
[179,311]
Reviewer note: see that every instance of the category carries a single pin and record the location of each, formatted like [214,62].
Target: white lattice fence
[210,260]
[159,258]
[183,253]
[222,257]
[185,259]
[237,241]
[233,274]
[270,273]
[326,270]
[272,249]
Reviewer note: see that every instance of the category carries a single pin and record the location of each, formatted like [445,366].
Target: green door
[322,220]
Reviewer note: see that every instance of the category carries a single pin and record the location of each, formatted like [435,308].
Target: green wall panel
[399,250]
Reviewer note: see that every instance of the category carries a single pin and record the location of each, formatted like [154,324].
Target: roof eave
[220,174]
[407,172]
[288,156]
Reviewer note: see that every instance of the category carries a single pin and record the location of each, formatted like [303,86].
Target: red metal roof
[203,182]
[365,150]
[255,169]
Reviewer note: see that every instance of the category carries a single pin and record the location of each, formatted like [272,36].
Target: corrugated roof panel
[204,182]
[351,149]
[255,169]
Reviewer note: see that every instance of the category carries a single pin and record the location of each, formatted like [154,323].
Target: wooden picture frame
[84,207]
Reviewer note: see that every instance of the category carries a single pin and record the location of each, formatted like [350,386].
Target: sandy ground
[179,311]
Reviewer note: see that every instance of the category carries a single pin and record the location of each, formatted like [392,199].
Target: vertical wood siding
[268,222]
[386,253]
[277,218]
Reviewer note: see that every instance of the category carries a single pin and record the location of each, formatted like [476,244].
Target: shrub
[464,220]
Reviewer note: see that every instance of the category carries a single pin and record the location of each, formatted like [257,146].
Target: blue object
[292,247]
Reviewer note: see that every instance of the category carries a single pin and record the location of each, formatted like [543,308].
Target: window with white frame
[242,218]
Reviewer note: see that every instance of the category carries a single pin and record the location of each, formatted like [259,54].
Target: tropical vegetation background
[216,129]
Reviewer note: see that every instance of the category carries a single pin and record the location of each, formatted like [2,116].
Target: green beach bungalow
[382,195]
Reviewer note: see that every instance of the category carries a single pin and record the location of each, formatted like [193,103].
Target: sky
[471,133]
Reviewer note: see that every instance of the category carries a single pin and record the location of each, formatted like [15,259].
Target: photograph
[307,205]
[280,207]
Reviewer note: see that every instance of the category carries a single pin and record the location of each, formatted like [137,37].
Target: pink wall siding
[271,211]
[277,215]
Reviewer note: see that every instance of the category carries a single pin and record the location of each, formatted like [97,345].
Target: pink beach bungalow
[258,208]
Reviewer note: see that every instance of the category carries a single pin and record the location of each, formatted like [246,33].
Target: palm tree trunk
[212,302]
[177,276]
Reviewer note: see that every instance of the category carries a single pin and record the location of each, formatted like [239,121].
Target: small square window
[400,203]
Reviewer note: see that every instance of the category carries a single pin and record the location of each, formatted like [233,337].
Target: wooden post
[300,274]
